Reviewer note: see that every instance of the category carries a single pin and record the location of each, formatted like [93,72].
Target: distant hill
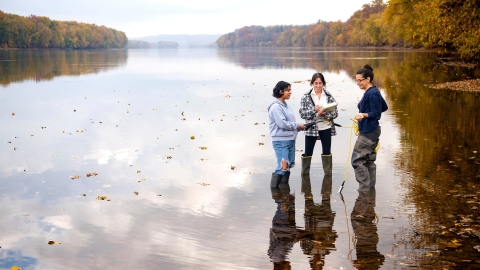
[184,41]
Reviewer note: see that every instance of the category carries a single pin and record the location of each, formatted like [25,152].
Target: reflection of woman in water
[318,239]
[364,221]
[370,110]
[283,130]
[283,233]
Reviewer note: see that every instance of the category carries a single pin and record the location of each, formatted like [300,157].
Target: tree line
[140,44]
[452,25]
[41,32]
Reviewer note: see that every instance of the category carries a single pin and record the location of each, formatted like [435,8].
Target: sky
[141,18]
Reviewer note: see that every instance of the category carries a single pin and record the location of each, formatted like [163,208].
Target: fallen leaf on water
[26,215]
[260,143]
[183,119]
[51,242]
[106,185]
[204,184]
[453,244]
[101,198]
[192,137]
[13,114]
[83,194]
[92,174]
[232,167]
[169,157]
[75,177]
[203,147]
[136,192]
[138,171]
[263,135]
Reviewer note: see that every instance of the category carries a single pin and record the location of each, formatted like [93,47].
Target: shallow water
[180,202]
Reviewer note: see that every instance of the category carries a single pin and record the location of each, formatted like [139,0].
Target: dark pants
[325,138]
[363,160]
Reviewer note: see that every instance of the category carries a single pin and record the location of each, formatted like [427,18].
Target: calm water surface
[177,142]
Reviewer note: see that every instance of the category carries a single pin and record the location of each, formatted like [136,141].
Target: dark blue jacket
[372,103]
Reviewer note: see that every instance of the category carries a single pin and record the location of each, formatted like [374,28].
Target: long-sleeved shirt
[283,126]
[374,104]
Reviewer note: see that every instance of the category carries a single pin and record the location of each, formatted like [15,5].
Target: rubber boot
[285,178]
[276,178]
[306,161]
[327,164]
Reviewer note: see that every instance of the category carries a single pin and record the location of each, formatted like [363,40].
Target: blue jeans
[284,150]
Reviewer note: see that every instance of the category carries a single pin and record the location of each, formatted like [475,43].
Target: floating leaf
[232,167]
[453,244]
[26,215]
[75,177]
[192,137]
[135,192]
[138,171]
[260,143]
[92,174]
[51,242]
[101,198]
[203,184]
[83,194]
[203,147]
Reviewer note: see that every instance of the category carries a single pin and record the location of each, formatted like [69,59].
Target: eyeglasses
[359,81]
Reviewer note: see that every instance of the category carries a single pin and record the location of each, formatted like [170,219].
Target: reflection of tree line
[318,238]
[335,60]
[439,137]
[16,66]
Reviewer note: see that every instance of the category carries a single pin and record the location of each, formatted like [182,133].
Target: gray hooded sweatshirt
[283,126]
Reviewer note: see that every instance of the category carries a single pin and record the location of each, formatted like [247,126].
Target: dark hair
[316,76]
[281,86]
[366,71]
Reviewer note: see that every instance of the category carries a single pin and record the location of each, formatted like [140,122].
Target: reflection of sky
[207,215]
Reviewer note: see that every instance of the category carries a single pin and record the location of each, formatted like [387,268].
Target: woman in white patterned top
[311,109]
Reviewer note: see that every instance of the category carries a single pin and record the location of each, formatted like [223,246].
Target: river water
[161,159]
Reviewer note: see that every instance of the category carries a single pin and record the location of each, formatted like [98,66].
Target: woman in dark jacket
[311,110]
[370,108]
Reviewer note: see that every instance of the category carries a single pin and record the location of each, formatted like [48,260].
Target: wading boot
[327,164]
[285,178]
[276,178]
[306,161]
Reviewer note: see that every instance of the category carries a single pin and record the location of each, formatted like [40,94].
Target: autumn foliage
[449,25]
[41,32]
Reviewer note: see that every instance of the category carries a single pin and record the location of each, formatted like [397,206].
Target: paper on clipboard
[329,107]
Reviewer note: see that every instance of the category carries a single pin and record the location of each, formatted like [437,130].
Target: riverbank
[467,85]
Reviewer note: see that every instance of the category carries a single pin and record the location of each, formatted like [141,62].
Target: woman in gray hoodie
[283,130]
